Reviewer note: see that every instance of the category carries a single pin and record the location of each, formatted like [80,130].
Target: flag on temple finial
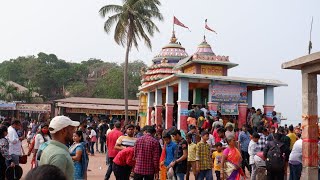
[310,46]
[208,28]
[310,43]
[179,23]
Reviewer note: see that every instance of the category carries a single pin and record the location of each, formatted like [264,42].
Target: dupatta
[163,168]
[232,169]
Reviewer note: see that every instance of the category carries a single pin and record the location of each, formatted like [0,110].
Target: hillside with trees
[55,78]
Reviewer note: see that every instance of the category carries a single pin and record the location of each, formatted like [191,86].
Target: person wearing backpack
[276,153]
[42,137]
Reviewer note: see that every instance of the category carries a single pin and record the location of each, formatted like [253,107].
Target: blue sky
[258,35]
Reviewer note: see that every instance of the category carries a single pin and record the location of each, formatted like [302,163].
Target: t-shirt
[244,140]
[181,167]
[126,141]
[39,139]
[111,142]
[200,121]
[256,120]
[192,150]
[170,150]
[217,156]
[293,139]
[57,154]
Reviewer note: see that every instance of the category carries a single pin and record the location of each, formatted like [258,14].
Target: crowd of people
[210,148]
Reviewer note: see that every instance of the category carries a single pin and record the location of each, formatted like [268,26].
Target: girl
[42,137]
[79,156]
[93,139]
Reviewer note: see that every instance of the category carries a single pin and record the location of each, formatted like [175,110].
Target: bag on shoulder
[40,150]
[275,159]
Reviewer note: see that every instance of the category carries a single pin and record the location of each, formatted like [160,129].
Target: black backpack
[275,157]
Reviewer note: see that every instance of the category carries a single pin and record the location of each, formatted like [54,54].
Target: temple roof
[250,81]
[205,55]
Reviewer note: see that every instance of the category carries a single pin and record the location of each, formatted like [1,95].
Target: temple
[176,81]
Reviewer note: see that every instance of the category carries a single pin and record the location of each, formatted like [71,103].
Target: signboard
[236,93]
[190,70]
[229,109]
[86,111]
[184,112]
[37,108]
[212,70]
[8,106]
[121,112]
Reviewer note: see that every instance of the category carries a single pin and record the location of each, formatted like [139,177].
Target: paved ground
[97,167]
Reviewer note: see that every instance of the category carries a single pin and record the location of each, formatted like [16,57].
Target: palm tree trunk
[125,81]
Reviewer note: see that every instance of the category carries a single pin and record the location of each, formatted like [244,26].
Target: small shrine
[177,81]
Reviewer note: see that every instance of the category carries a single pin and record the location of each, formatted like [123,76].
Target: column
[143,108]
[183,102]
[242,118]
[268,101]
[158,107]
[151,96]
[249,98]
[169,107]
[310,126]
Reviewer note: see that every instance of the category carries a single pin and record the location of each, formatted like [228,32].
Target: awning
[8,106]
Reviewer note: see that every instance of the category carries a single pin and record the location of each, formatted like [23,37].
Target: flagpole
[310,43]
[204,31]
[173,25]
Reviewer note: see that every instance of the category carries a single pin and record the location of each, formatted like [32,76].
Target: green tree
[133,21]
[8,92]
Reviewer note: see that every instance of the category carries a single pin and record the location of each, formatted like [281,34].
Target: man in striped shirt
[127,140]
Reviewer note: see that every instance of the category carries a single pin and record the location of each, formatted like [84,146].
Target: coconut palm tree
[133,21]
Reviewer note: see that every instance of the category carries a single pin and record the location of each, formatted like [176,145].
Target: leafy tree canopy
[55,78]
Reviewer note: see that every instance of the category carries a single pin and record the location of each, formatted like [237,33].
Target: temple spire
[173,38]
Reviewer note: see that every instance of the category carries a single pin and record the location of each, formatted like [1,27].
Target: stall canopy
[8,106]
[97,105]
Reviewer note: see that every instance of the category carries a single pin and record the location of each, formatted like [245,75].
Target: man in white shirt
[14,141]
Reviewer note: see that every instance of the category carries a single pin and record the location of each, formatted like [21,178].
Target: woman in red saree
[231,162]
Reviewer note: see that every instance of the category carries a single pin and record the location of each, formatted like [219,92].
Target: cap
[60,122]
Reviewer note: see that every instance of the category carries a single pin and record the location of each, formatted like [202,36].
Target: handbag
[93,139]
[23,159]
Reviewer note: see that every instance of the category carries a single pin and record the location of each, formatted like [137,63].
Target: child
[29,136]
[191,157]
[253,149]
[216,158]
[170,148]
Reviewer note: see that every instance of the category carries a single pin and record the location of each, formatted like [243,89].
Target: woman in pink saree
[231,162]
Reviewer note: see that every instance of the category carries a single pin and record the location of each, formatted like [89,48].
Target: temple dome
[172,52]
[204,49]
[164,62]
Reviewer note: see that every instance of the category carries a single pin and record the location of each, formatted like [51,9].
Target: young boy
[253,149]
[191,157]
[216,158]
[203,158]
